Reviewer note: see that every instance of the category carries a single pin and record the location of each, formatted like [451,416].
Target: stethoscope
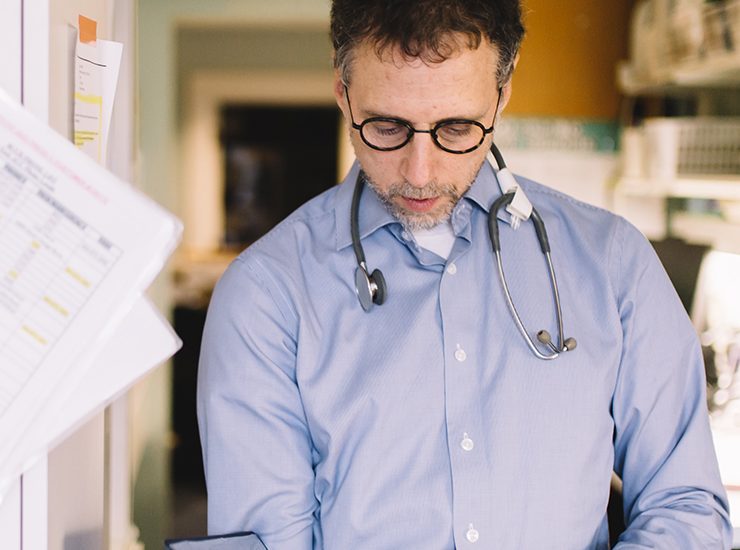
[371,288]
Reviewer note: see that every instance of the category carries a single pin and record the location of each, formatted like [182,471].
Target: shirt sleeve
[673,496]
[257,451]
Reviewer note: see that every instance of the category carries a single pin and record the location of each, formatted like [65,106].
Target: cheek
[382,168]
[461,174]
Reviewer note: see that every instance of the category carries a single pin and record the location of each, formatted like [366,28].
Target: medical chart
[142,341]
[51,262]
[77,249]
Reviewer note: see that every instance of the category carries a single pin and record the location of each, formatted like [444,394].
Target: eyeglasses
[457,136]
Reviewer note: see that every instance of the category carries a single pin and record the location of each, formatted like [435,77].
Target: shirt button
[452,269]
[460,354]
[472,534]
[467,443]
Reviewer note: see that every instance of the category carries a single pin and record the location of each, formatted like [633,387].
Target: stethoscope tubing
[371,287]
[556,295]
[542,238]
[515,314]
[354,223]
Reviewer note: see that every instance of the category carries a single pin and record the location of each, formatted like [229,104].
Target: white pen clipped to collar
[520,208]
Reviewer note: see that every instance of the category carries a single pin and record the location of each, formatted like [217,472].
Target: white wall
[10,45]
[10,81]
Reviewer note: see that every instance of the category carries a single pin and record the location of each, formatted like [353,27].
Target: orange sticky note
[88,29]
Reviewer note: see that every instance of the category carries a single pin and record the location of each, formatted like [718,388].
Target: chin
[415,221]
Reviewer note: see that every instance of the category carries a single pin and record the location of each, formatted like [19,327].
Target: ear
[339,95]
[505,96]
[506,88]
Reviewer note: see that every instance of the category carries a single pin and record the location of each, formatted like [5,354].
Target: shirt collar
[374,215]
[485,189]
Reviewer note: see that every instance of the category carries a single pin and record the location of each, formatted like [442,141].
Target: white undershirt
[439,239]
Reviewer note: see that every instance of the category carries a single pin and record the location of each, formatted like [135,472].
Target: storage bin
[692,146]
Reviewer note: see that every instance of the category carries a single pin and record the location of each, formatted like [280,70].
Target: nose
[417,165]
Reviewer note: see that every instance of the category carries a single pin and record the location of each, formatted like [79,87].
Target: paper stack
[78,248]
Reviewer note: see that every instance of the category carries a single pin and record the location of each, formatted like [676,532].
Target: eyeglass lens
[457,136]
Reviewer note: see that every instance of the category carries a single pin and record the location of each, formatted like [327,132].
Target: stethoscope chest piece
[369,288]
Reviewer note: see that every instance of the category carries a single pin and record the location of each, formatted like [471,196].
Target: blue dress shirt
[427,423]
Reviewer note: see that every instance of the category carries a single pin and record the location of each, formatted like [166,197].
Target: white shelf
[721,70]
[707,230]
[700,187]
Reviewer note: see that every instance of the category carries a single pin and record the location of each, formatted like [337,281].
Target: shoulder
[276,263]
[279,254]
[589,234]
[578,216]
[313,221]
[558,204]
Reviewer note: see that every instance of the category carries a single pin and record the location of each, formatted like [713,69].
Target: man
[427,421]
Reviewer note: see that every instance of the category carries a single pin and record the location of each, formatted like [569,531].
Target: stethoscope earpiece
[568,345]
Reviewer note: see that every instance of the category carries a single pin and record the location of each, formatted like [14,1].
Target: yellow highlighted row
[35,335]
[77,277]
[59,308]
[82,141]
[87,98]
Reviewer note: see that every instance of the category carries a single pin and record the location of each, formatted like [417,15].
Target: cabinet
[697,63]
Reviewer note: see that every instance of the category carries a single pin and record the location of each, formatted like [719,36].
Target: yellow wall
[568,58]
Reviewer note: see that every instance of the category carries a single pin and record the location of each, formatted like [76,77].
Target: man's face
[420,183]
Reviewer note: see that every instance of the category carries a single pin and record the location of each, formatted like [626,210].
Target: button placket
[467,463]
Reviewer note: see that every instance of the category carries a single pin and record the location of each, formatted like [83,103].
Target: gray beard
[413,221]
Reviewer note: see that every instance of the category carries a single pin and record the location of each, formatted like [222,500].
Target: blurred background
[630,105]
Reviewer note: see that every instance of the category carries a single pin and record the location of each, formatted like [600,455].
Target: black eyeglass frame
[411,130]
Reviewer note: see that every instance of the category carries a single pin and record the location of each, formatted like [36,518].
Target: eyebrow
[374,114]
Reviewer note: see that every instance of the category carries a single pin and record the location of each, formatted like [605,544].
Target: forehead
[385,79]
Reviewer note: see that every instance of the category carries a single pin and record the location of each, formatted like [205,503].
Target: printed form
[51,261]
[77,249]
